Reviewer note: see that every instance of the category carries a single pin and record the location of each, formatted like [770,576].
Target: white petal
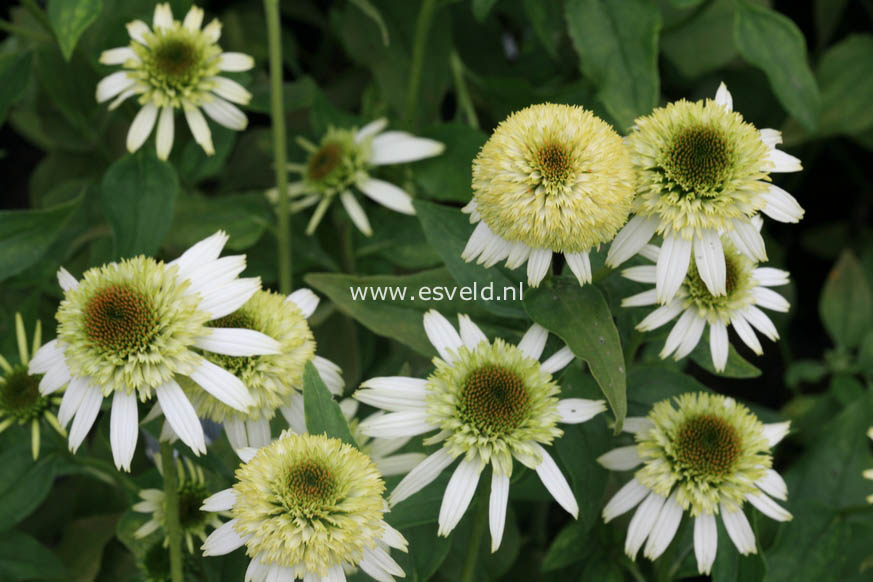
[718,344]
[705,542]
[518,254]
[534,341]
[748,240]
[235,62]
[48,356]
[421,476]
[783,162]
[442,335]
[123,428]
[636,424]
[306,300]
[66,280]
[258,432]
[781,206]
[397,424]
[205,278]
[558,361]
[459,493]
[356,213]
[477,242]
[393,538]
[370,569]
[199,128]
[73,396]
[395,147]
[112,85]
[672,266]
[141,127]
[538,265]
[239,342]
[164,139]
[709,259]
[738,529]
[630,239]
[334,574]
[294,413]
[86,414]
[225,299]
[761,322]
[396,464]
[769,299]
[246,454]
[163,16]
[230,90]
[768,507]
[223,540]
[691,338]
[770,277]
[744,330]
[394,393]
[471,335]
[771,137]
[679,332]
[388,195]
[330,374]
[641,274]
[221,501]
[576,410]
[650,252]
[776,431]
[137,30]
[662,315]
[371,129]
[181,416]
[497,502]
[642,522]
[555,483]
[665,528]
[193,19]
[385,562]
[221,384]
[54,379]
[723,97]
[773,485]
[643,299]
[495,251]
[204,251]
[225,113]
[212,31]
[620,459]
[235,429]
[580,264]
[624,500]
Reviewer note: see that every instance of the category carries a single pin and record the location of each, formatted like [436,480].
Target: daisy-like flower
[342,162]
[747,287]
[192,492]
[491,402]
[551,179]
[128,330]
[20,399]
[274,381]
[175,65]
[702,172]
[309,507]
[383,452]
[708,457]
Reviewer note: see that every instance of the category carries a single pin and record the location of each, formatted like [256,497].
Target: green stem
[422,28]
[465,104]
[171,498]
[480,517]
[277,112]
[24,32]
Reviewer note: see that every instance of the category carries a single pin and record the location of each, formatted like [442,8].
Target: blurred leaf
[299,94]
[617,44]
[448,175]
[865,354]
[23,483]
[846,303]
[828,14]
[242,216]
[14,76]
[805,372]
[24,558]
[737,366]
[422,507]
[448,230]
[70,18]
[138,195]
[367,8]
[846,388]
[427,552]
[773,43]
[730,566]
[193,163]
[82,544]
[70,87]
[323,414]
[845,75]
[481,8]
[25,235]
[581,317]
[811,553]
[705,44]
[650,384]
[547,22]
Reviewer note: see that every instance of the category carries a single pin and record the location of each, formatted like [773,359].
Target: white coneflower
[175,65]
[551,179]
[747,287]
[708,457]
[192,491]
[341,163]
[307,507]
[20,398]
[383,452]
[128,330]
[702,172]
[491,402]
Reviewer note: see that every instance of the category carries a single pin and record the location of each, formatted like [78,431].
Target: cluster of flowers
[197,341]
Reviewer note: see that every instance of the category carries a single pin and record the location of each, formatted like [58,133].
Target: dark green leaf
[730,566]
[581,317]
[547,22]
[138,195]
[70,18]
[371,11]
[617,44]
[845,75]
[773,43]
[24,484]
[705,44]
[737,366]
[804,372]
[242,216]
[24,558]
[421,508]
[812,552]
[448,175]
[427,552]
[650,384]
[82,544]
[846,303]
[481,8]
[26,234]
[14,76]
[323,414]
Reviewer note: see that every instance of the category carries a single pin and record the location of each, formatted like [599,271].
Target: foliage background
[73,196]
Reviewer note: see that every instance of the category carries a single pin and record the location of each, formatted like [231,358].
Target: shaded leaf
[24,558]
[846,303]
[845,75]
[448,176]
[70,18]
[24,484]
[14,75]
[737,366]
[323,414]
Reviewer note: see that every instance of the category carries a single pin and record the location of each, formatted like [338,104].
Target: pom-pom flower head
[702,172]
[707,456]
[175,65]
[551,179]
[128,330]
[491,402]
[341,162]
[747,287]
[306,507]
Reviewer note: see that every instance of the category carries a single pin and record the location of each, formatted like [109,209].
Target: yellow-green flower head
[307,506]
[551,178]
[708,455]
[341,163]
[129,330]
[192,492]
[490,402]
[175,65]
[20,398]
[702,172]
[747,287]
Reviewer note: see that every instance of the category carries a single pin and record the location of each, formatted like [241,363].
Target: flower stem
[477,532]
[465,104]
[171,498]
[422,28]
[277,112]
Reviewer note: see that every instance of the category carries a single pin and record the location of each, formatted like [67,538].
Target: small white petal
[330,374]
[204,251]
[123,428]
[397,424]
[761,322]
[225,113]
[48,356]
[620,459]
[306,300]
[769,299]
[239,342]
[246,454]
[630,239]
[181,416]
[680,330]
[459,493]
[471,335]
[223,385]
[672,266]
[396,464]
[665,528]
[580,264]
[776,431]
[394,393]
[388,195]
[163,16]
[54,379]
[624,500]
[576,410]
[773,485]
[259,432]
[771,137]
[113,85]
[223,540]
[650,252]
[235,429]
[212,31]
[193,19]
[738,529]
[73,396]
[636,424]
[477,242]
[555,482]
[770,277]
[649,297]
[164,139]
[641,274]
[782,162]
[534,341]
[661,316]
[294,413]
[723,97]
[497,503]
[538,265]
[744,330]
[137,30]
[705,542]
[230,90]
[558,361]
[718,344]
[442,335]
[642,522]
[225,299]
[141,127]
[691,338]
[235,62]
[748,240]
[381,557]
[66,280]
[709,259]
[86,414]
[371,129]
[221,501]
[356,213]
[421,476]
[395,147]
[768,507]
[393,538]
[781,206]
[117,56]
[518,254]
[199,128]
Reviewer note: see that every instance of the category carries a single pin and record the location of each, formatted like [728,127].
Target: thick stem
[171,499]
[277,112]
[422,28]
[477,532]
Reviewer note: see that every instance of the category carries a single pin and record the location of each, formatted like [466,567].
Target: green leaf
[70,18]
[581,317]
[25,235]
[617,44]
[367,8]
[448,230]
[704,45]
[481,8]
[773,43]
[845,75]
[737,366]
[448,175]
[24,558]
[650,384]
[323,414]
[243,216]
[547,22]
[138,194]
[82,544]
[14,76]
[730,566]
[421,508]
[846,303]
[427,552]
[24,484]
[805,372]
